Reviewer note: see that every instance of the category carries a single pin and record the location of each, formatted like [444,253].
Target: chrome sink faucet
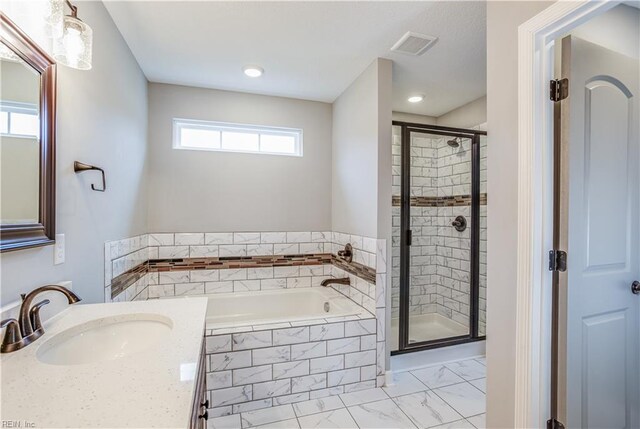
[28,328]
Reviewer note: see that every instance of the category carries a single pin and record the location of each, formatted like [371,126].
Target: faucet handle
[347,253]
[34,314]
[12,335]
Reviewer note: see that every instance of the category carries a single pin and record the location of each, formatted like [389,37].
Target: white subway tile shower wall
[440,255]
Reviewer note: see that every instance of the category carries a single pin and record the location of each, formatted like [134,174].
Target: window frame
[180,123]
[12,107]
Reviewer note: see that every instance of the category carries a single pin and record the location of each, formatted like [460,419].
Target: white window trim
[17,107]
[296,133]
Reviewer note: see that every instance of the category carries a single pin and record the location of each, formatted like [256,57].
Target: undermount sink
[104,339]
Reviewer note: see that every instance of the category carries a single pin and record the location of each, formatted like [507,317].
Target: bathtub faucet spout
[344,281]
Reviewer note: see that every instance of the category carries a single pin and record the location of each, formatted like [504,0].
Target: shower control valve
[460,223]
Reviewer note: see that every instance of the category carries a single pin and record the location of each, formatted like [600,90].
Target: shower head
[454,142]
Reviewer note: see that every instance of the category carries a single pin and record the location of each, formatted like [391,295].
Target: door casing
[535,203]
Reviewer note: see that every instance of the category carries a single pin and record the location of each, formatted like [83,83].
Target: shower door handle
[409,237]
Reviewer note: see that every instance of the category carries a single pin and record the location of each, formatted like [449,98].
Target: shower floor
[427,327]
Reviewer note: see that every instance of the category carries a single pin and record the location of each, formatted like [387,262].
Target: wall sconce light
[74,48]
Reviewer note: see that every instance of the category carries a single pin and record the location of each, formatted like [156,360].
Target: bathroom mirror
[27,133]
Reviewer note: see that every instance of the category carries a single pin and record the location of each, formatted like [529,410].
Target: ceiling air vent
[414,43]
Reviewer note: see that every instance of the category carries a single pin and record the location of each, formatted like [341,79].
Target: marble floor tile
[482,360]
[437,376]
[340,419]
[480,383]
[382,414]
[405,383]
[426,409]
[468,369]
[315,406]
[282,424]
[460,424]
[478,421]
[267,415]
[464,398]
[225,422]
[363,396]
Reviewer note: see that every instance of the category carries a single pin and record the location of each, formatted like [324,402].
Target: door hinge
[559,89]
[554,424]
[557,260]
[409,237]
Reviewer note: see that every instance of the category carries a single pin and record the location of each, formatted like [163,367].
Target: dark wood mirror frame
[20,236]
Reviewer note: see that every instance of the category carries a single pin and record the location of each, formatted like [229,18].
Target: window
[225,137]
[19,120]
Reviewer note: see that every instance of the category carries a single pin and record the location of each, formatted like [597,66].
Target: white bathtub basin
[254,308]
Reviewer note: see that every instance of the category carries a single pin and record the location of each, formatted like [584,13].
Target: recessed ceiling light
[415,98]
[253,71]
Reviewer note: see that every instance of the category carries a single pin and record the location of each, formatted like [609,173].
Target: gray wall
[413,118]
[102,119]
[361,162]
[357,149]
[503,19]
[19,179]
[466,116]
[617,29]
[224,191]
[19,173]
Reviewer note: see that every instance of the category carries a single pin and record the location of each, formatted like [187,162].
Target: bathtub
[274,306]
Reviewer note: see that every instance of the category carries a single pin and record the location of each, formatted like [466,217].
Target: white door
[602,234]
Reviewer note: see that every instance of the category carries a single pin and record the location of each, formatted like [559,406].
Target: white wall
[223,191]
[466,116]
[102,119]
[616,29]
[361,132]
[503,19]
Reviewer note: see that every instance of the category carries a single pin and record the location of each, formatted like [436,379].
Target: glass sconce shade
[74,48]
[54,17]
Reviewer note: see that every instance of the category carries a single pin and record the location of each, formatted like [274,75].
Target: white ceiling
[309,50]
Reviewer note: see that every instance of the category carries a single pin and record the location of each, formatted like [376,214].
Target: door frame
[535,202]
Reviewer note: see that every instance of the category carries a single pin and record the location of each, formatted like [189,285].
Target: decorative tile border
[452,201]
[120,283]
[362,271]
[238,262]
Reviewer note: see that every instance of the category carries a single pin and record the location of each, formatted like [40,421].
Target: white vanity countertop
[152,388]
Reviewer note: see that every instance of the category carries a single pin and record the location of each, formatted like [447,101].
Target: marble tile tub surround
[449,395]
[370,295]
[123,256]
[264,366]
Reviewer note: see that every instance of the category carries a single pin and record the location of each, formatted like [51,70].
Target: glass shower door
[437,218]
